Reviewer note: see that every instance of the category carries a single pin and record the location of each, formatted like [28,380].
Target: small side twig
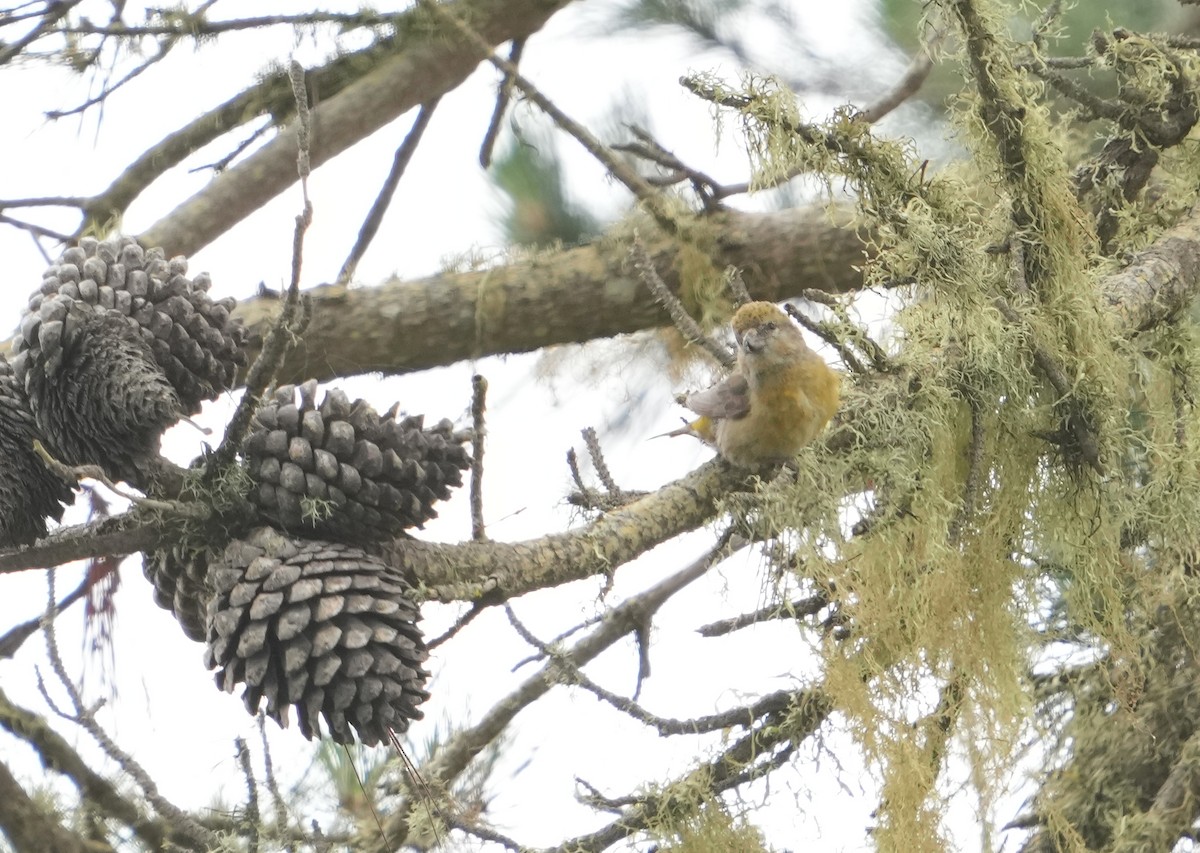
[826,333]
[909,84]
[503,99]
[810,606]
[250,825]
[850,331]
[650,149]
[293,314]
[683,321]
[552,642]
[183,823]
[463,621]
[15,637]
[483,833]
[737,286]
[478,403]
[370,226]
[272,783]
[592,441]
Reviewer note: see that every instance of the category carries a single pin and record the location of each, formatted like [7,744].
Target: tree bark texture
[435,62]
[567,296]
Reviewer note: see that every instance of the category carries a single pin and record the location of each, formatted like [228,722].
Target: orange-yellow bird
[778,398]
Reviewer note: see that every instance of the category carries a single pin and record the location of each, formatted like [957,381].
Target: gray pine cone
[343,471]
[321,626]
[29,492]
[192,338]
[95,389]
[179,583]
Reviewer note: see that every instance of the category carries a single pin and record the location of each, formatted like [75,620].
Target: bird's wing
[727,399]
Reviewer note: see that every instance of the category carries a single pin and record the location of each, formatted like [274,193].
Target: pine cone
[193,339]
[343,471]
[179,583]
[94,387]
[29,492]
[321,626]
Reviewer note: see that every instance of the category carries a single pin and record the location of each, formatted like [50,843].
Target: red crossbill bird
[778,398]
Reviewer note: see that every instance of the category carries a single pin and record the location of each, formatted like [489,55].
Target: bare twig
[182,823]
[457,753]
[683,321]
[592,441]
[251,821]
[744,716]
[503,98]
[909,84]
[826,333]
[223,163]
[35,230]
[370,226]
[53,14]
[737,286]
[194,26]
[809,606]
[586,497]
[755,755]
[460,623]
[648,148]
[281,816]
[484,833]
[164,47]
[15,637]
[478,401]
[650,198]
[292,315]
[98,790]
[852,332]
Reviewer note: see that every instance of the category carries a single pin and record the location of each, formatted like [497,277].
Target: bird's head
[761,327]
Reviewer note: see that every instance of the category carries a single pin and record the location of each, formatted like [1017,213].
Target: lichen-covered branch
[30,828]
[752,756]
[56,754]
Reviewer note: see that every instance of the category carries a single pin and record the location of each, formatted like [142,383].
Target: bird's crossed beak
[753,341]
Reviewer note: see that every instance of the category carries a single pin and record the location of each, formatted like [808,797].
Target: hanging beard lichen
[1009,503]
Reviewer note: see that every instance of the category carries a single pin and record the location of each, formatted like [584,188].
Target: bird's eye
[770,327]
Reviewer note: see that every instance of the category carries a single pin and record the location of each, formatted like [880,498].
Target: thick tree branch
[122,534]
[1161,281]
[1156,286]
[433,63]
[402,326]
[471,571]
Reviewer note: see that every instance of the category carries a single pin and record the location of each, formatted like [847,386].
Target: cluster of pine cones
[115,346]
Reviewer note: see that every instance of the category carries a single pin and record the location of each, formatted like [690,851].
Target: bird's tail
[696,429]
